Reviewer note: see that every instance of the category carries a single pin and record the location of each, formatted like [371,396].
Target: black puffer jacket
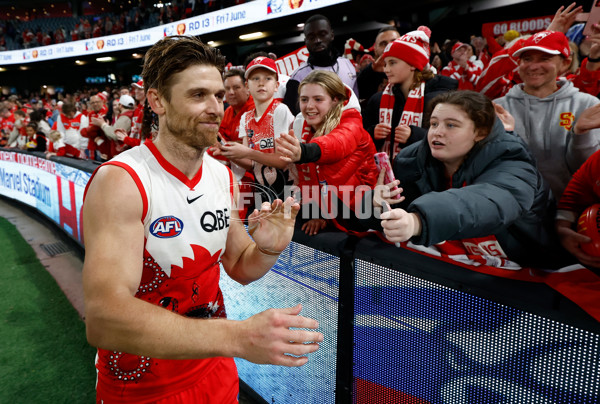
[496,191]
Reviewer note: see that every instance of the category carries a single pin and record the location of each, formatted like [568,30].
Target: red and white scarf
[349,46]
[411,115]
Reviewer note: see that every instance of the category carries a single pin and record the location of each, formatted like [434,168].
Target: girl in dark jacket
[475,186]
[394,117]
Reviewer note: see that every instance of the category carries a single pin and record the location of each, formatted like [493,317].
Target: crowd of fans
[90,124]
[484,174]
[18,34]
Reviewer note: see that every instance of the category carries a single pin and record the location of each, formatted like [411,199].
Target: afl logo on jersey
[166,227]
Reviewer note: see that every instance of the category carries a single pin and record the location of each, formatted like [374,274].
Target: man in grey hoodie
[557,121]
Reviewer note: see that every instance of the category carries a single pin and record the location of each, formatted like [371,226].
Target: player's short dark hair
[174,54]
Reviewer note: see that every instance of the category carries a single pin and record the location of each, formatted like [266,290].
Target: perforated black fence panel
[420,342]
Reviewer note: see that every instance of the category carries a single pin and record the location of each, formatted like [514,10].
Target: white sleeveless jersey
[186,224]
[179,212]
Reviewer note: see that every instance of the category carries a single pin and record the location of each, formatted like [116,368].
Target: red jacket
[587,81]
[346,156]
[92,131]
[62,149]
[583,190]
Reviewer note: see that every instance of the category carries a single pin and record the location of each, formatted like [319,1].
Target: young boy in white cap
[258,130]
[557,121]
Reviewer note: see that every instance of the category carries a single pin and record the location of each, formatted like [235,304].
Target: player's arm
[269,336]
[272,228]
[115,319]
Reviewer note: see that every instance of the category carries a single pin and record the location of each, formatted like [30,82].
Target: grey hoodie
[545,125]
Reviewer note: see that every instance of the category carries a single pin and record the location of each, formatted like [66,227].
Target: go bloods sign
[288,63]
[523,26]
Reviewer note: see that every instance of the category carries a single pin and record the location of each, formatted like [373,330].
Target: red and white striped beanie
[412,47]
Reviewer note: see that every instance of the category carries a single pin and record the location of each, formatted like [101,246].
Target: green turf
[44,356]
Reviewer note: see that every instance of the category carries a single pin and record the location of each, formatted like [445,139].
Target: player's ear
[155,101]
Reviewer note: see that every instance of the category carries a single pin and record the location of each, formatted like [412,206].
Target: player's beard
[188,131]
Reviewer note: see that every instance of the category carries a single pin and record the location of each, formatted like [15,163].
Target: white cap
[127,101]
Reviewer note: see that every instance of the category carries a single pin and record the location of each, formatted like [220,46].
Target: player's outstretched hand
[272,227]
[272,337]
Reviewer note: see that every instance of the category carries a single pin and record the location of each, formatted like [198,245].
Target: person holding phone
[473,185]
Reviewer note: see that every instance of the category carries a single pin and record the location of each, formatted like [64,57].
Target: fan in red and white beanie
[102,96]
[412,47]
[457,46]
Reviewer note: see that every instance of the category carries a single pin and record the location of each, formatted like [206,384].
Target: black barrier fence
[400,327]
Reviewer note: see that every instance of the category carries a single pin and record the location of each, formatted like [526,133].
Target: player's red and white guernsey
[186,224]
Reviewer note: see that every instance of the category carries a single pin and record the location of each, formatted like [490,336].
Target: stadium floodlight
[105,59]
[253,35]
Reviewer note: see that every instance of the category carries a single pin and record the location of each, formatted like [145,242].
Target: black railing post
[345,335]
